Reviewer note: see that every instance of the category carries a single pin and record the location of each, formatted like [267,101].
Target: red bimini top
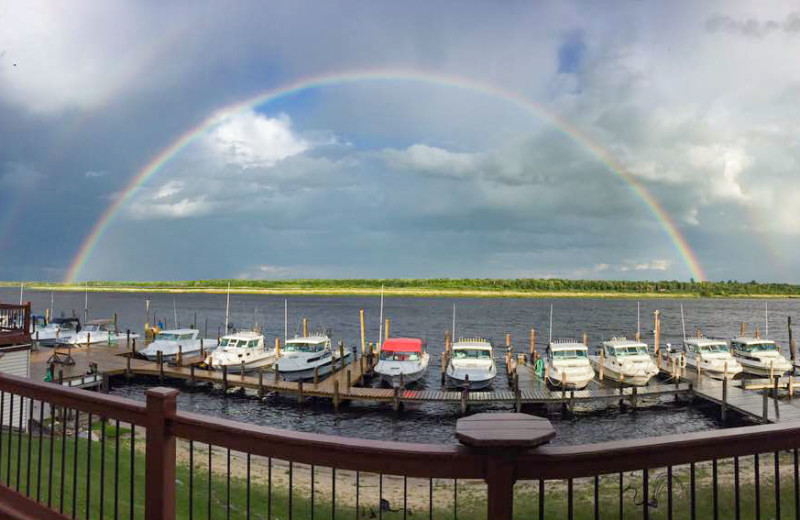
[402,345]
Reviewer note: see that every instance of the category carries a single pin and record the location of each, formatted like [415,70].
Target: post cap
[509,430]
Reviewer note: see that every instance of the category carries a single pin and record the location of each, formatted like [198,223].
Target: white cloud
[93,174]
[183,208]
[426,159]
[252,140]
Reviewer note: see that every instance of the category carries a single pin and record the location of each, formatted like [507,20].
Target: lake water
[429,318]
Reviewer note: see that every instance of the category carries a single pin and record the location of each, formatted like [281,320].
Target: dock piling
[180,355]
[363,333]
[191,374]
[275,371]
[396,399]
[202,349]
[128,368]
[242,374]
[388,328]
[341,354]
[765,407]
[444,366]
[634,396]
[260,383]
[336,395]
[316,376]
[225,379]
[464,397]
[300,392]
[88,339]
[602,367]
[724,398]
[160,360]
[349,380]
[305,327]
[533,342]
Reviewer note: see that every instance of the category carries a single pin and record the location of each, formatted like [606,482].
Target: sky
[537,157]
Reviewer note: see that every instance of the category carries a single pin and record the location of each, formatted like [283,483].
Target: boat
[568,365]
[168,342]
[711,355]
[302,356]
[58,329]
[402,361]
[761,357]
[98,331]
[626,361]
[471,363]
[246,347]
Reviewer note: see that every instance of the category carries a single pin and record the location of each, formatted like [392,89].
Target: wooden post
[447,341]
[116,324]
[464,397]
[316,376]
[159,499]
[133,346]
[634,394]
[336,395]
[180,355]
[88,339]
[758,332]
[444,366]
[225,379]
[396,399]
[517,394]
[508,340]
[160,360]
[387,329]
[742,329]
[260,383]
[128,339]
[363,333]
[202,350]
[191,373]
[300,392]
[602,367]
[765,407]
[775,388]
[585,339]
[792,350]
[242,373]
[275,371]
[349,380]
[699,332]
[361,360]
[278,347]
[533,342]
[657,336]
[341,354]
[724,398]
[305,327]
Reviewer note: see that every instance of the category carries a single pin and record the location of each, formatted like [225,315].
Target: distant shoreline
[319,288]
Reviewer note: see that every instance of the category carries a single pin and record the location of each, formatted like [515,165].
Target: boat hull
[249,366]
[395,380]
[474,384]
[760,370]
[610,372]
[307,373]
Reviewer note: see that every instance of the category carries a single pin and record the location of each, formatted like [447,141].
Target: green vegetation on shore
[489,287]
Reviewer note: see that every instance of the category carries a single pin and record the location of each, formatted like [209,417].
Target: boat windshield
[165,336]
[399,356]
[92,328]
[471,353]
[760,347]
[714,347]
[304,347]
[628,351]
[569,354]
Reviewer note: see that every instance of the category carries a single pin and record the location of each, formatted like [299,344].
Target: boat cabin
[308,344]
[703,346]
[177,335]
[567,351]
[99,326]
[241,340]
[624,348]
[402,349]
[472,349]
[754,345]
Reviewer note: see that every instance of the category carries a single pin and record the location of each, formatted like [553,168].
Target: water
[429,318]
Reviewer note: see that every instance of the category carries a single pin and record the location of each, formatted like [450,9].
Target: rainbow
[343,78]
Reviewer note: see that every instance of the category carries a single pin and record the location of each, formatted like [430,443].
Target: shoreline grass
[468,288]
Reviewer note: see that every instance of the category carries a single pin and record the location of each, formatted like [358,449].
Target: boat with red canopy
[402,361]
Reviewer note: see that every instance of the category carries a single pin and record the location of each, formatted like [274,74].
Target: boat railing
[70,453]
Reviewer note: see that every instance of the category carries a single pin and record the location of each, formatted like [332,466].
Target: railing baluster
[291,490]
[430,498]
[736,490]
[312,490]
[541,499]
[2,425]
[669,493]
[191,480]
[39,449]
[570,500]
[210,454]
[10,438]
[715,488]
[692,492]
[132,489]
[596,497]
[269,488]
[777,487]
[358,492]
[757,484]
[333,493]
[102,467]
[380,495]
[116,470]
[621,496]
[75,466]
[228,486]
[796,484]
[455,499]
[405,498]
[89,469]
[30,448]
[248,488]
[54,412]
[19,441]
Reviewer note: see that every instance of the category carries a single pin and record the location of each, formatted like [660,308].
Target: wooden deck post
[305,327]
[349,380]
[225,379]
[792,346]
[742,329]
[128,339]
[191,374]
[336,395]
[160,455]
[396,399]
[160,360]
[775,388]
[180,355]
[202,350]
[571,401]
[765,407]
[341,355]
[444,367]
[602,367]
[533,342]
[278,347]
[387,329]
[242,374]
[316,376]
[464,397]
[88,339]
[300,392]
[275,370]
[133,346]
[363,333]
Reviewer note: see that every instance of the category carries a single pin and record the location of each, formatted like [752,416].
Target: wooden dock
[739,396]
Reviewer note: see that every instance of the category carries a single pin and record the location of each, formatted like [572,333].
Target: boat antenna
[454,322]
[174,311]
[86,304]
[380,323]
[683,324]
[285,319]
[227,307]
[766,319]
[550,339]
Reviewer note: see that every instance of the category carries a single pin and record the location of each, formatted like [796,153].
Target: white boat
[246,347]
[760,357]
[471,363]
[302,356]
[98,331]
[626,361]
[168,342]
[402,361]
[712,355]
[568,365]
[59,329]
